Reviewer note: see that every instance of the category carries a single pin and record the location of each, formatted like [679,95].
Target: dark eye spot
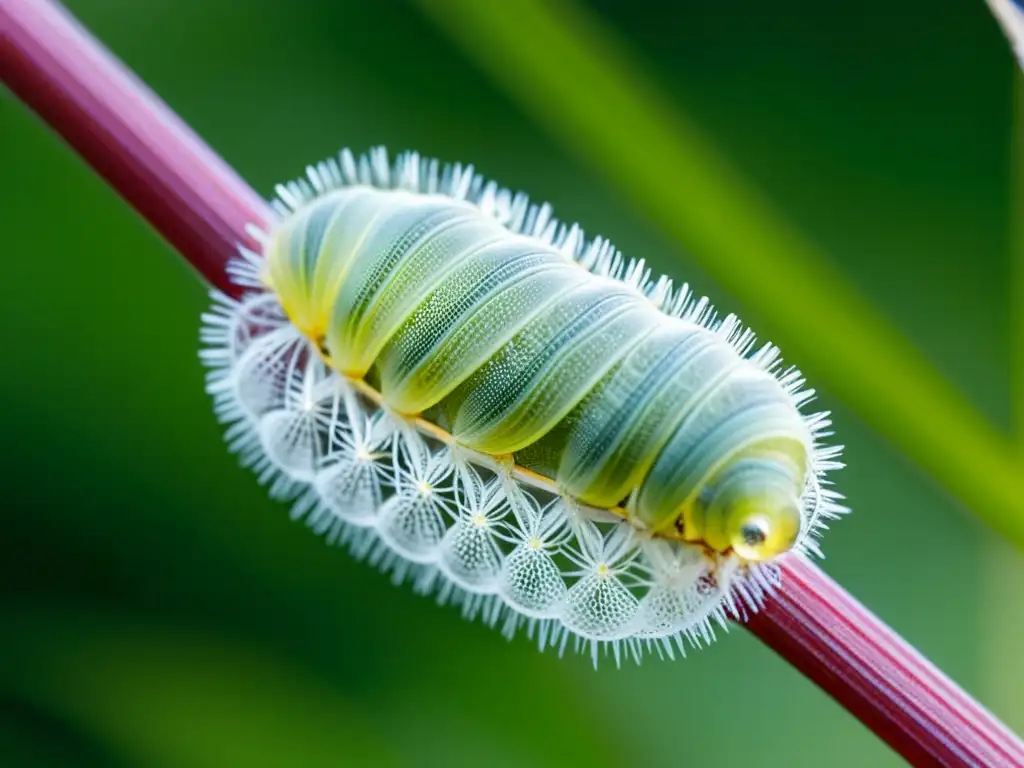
[753,534]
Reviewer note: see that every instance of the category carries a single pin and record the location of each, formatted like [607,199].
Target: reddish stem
[128,135]
[201,206]
[827,634]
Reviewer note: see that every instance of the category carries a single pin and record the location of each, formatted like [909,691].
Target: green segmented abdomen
[517,349]
[530,383]
[618,432]
[464,319]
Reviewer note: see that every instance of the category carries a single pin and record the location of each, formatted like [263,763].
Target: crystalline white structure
[472,530]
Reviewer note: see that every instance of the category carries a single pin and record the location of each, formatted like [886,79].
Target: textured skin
[516,349]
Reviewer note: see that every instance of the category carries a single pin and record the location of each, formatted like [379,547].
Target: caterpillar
[440,376]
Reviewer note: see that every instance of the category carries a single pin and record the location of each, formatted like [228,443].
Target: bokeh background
[158,610]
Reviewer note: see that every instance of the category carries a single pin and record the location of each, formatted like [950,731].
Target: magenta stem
[127,134]
[201,206]
[824,632]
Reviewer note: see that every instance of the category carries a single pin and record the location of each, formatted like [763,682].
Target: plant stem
[128,135]
[202,206]
[837,643]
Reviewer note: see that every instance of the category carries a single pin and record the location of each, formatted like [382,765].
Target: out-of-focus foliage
[675,177]
[159,610]
[1003,602]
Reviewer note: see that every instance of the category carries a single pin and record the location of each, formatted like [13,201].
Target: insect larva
[462,390]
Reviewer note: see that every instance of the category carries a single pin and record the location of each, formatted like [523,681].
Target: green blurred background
[159,610]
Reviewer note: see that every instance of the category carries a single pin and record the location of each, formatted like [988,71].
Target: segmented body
[389,299]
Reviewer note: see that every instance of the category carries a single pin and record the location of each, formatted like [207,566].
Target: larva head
[753,507]
[733,474]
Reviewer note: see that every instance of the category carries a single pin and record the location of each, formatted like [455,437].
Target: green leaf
[577,80]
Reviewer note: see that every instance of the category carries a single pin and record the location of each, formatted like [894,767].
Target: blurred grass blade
[1002,602]
[1017,259]
[1010,15]
[1001,623]
[574,77]
[159,697]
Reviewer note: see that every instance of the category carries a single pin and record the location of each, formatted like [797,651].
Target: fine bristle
[472,535]
[414,173]
[411,172]
[456,524]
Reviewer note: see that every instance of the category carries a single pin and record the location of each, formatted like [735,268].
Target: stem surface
[128,135]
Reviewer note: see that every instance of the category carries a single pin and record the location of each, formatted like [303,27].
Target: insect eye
[754,533]
[767,531]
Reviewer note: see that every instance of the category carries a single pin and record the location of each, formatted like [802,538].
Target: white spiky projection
[478,529]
